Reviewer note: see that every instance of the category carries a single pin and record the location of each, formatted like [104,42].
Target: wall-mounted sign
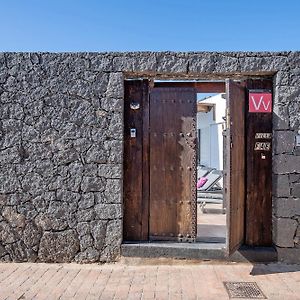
[263,135]
[264,146]
[260,102]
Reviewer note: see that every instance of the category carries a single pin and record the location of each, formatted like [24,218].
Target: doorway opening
[164,160]
[211,206]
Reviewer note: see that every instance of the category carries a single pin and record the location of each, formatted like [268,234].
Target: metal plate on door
[133,132]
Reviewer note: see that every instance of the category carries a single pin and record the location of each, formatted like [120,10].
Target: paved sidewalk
[148,281]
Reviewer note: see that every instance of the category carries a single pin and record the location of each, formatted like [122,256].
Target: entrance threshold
[197,251]
[201,251]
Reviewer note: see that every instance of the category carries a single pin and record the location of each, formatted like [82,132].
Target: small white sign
[263,135]
[298,140]
[132,132]
[264,146]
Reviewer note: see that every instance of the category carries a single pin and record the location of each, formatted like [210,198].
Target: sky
[157,25]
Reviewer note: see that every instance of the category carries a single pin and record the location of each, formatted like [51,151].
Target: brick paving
[156,280]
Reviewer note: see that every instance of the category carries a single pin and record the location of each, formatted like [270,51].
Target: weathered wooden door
[136,171]
[172,206]
[259,167]
[234,162]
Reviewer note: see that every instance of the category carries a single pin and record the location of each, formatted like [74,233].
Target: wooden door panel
[259,174]
[235,165]
[172,163]
[160,198]
[135,224]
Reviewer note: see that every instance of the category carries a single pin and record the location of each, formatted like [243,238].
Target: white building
[210,125]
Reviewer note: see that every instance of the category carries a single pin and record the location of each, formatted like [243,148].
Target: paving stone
[157,281]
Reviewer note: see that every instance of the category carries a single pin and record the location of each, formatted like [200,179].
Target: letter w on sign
[260,102]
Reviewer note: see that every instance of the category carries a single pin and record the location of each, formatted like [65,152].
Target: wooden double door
[160,163]
[160,166]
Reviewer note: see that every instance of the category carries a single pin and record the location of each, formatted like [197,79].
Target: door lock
[133,132]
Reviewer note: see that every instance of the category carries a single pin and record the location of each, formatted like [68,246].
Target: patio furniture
[211,191]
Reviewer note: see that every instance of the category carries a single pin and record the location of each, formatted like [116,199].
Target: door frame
[136,161]
[142,99]
[205,86]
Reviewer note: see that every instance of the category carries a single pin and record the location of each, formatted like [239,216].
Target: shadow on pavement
[273,268]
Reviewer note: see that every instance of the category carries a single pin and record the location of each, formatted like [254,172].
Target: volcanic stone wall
[61,139]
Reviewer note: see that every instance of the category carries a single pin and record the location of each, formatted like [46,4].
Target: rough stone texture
[285,231]
[60,157]
[297,238]
[61,137]
[296,190]
[58,246]
[286,207]
[281,185]
[284,141]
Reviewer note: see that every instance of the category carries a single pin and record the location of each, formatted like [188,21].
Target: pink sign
[260,102]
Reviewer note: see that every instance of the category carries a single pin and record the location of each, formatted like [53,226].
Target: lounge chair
[211,184]
[202,171]
[211,192]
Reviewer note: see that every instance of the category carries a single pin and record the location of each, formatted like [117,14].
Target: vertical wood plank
[133,224]
[146,162]
[259,174]
[235,165]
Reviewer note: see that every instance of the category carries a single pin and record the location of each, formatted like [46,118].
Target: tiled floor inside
[211,224]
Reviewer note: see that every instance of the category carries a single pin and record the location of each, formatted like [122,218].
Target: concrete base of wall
[255,254]
[197,251]
[289,255]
